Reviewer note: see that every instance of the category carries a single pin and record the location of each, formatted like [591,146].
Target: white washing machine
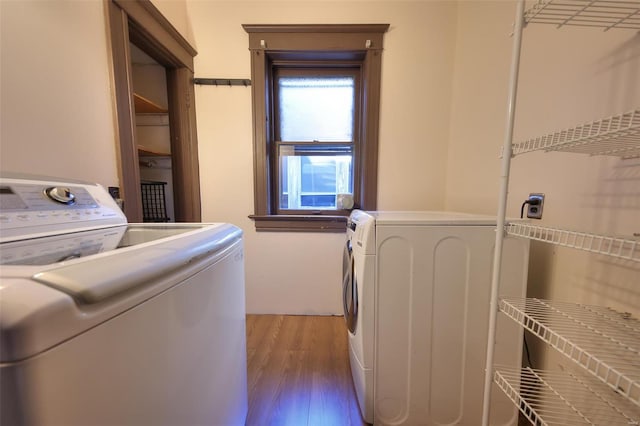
[416,299]
[108,323]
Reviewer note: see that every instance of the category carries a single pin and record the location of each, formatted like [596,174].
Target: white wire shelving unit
[563,398]
[604,14]
[616,136]
[604,342]
[618,247]
[597,340]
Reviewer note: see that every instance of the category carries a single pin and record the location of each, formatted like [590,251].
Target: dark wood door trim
[184,145]
[159,32]
[140,22]
[125,114]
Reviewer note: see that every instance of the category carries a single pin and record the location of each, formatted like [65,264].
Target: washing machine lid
[431,218]
[42,305]
[56,249]
[95,265]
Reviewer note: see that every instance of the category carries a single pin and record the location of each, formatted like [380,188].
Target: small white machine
[416,299]
[106,323]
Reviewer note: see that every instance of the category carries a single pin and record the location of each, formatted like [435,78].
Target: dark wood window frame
[358,43]
[140,22]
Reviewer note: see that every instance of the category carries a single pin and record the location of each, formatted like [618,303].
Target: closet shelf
[144,151]
[621,248]
[604,342]
[143,105]
[616,136]
[564,399]
[604,14]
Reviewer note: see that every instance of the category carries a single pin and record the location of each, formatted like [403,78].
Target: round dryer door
[349,288]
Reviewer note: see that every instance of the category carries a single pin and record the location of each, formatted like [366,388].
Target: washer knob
[60,194]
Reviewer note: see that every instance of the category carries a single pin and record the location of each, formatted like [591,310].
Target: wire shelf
[621,248]
[563,398]
[604,342]
[615,136]
[604,14]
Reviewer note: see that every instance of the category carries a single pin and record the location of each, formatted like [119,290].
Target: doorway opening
[153,137]
[141,38]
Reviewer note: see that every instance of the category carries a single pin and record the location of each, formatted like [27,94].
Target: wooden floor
[298,372]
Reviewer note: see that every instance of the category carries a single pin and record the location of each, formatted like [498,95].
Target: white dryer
[416,297]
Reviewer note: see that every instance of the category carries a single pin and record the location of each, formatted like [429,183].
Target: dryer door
[349,288]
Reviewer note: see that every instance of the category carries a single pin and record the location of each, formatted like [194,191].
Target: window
[314,141]
[315,92]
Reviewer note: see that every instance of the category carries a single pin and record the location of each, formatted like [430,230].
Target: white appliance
[105,323]
[416,298]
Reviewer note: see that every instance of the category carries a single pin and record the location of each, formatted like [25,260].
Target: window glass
[311,177]
[316,108]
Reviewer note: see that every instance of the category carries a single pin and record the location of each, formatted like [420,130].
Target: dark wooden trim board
[125,114]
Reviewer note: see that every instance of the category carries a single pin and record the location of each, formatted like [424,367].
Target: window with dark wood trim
[349,54]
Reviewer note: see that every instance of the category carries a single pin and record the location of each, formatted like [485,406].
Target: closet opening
[157,139]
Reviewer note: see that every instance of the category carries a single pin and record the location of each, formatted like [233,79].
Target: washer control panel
[29,197]
[30,207]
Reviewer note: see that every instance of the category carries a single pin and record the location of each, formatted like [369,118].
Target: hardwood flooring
[298,372]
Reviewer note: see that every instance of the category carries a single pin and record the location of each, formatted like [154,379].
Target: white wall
[56,108]
[176,12]
[301,272]
[440,131]
[568,76]
[478,106]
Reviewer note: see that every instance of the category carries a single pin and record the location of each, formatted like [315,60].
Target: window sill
[299,223]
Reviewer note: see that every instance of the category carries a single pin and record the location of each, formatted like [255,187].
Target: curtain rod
[223,81]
